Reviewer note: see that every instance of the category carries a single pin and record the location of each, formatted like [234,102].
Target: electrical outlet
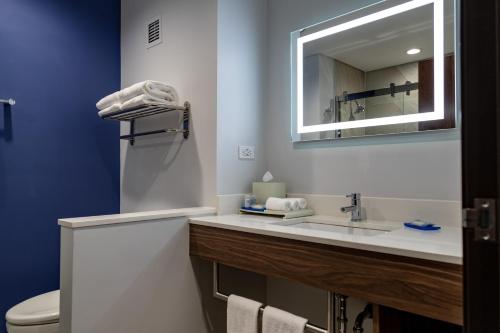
[246,152]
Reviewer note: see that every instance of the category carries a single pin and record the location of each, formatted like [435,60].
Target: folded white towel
[301,202]
[109,101]
[279,321]
[242,315]
[132,104]
[153,89]
[278,204]
[143,100]
[109,109]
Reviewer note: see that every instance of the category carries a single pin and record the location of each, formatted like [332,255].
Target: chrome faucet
[354,208]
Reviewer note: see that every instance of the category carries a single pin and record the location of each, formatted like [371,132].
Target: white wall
[241,91]
[129,278]
[166,173]
[421,166]
[215,54]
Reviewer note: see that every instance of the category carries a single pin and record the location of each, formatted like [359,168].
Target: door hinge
[482,219]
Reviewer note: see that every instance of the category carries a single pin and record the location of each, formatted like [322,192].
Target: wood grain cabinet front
[427,288]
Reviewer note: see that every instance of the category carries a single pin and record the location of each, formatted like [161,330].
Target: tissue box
[262,191]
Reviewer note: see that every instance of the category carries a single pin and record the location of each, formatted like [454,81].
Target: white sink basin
[349,228]
[338,229]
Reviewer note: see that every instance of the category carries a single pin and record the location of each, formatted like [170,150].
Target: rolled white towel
[294,204]
[278,204]
[301,202]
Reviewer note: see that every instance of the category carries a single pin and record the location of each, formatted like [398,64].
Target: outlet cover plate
[246,152]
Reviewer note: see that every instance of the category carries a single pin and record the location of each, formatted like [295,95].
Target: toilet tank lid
[41,309]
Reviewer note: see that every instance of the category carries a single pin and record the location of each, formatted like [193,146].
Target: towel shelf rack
[309,327]
[131,115]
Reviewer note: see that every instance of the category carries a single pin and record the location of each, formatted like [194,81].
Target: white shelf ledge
[93,221]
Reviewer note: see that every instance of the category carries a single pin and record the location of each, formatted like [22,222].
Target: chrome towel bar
[309,327]
[9,101]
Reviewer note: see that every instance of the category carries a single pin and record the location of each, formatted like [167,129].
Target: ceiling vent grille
[153,36]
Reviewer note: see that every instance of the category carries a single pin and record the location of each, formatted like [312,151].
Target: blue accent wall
[57,157]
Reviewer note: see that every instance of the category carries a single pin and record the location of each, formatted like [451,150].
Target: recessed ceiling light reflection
[413,51]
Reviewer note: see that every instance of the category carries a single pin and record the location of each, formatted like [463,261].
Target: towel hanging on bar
[278,321]
[242,315]
[308,327]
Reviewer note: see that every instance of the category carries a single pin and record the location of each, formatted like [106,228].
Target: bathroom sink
[338,229]
[361,229]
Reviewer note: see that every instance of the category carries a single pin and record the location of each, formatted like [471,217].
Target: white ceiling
[384,43]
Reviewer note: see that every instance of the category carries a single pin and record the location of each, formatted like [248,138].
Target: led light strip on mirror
[438,113]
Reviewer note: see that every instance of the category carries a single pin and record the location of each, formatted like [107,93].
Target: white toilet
[39,314]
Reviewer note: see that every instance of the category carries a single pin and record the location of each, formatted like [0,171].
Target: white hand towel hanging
[279,321]
[242,315]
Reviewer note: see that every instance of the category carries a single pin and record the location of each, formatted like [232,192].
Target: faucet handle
[353,195]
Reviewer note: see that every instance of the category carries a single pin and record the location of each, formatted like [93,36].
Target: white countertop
[444,245]
[92,221]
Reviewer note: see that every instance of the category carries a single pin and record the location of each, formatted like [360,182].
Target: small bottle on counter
[247,202]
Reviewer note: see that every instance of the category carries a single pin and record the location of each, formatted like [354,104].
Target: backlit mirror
[388,68]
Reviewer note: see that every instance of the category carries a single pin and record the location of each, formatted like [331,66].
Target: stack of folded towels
[137,95]
[286,204]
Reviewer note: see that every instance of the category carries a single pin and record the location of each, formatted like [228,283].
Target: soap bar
[422,225]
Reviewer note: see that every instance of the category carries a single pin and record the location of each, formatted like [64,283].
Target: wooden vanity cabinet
[427,288]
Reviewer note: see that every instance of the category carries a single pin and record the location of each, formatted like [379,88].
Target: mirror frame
[298,42]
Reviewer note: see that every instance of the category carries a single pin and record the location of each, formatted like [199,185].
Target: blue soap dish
[421,225]
[252,209]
